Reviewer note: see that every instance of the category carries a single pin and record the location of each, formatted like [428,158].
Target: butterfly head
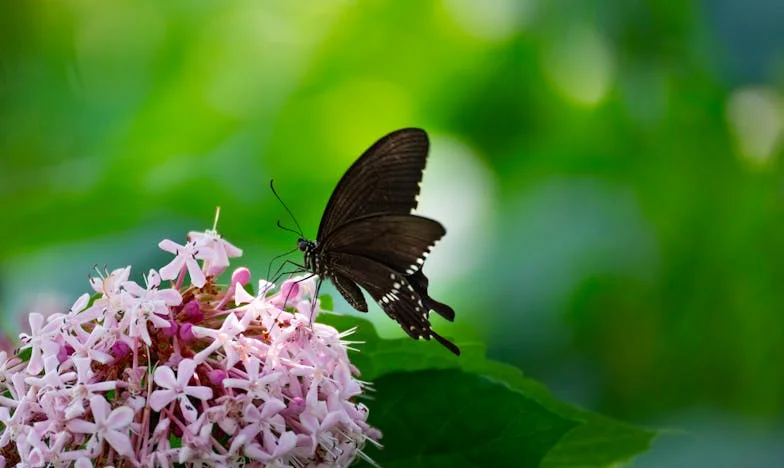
[305,245]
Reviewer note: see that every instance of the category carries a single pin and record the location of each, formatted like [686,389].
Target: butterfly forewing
[385,179]
[401,242]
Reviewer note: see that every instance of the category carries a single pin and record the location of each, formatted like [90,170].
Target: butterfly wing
[419,281]
[369,239]
[350,292]
[385,179]
[401,242]
[393,292]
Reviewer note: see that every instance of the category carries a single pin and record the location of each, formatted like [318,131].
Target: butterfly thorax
[311,250]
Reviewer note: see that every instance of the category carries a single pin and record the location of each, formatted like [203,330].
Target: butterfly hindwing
[401,242]
[392,291]
[385,179]
[419,281]
[350,292]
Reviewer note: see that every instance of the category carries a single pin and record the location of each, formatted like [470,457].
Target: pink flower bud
[120,350]
[171,331]
[192,312]
[241,275]
[64,353]
[289,291]
[186,332]
[295,408]
[216,377]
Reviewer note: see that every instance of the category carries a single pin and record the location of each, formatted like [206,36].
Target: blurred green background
[609,174]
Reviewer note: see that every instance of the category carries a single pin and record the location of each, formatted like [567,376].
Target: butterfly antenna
[272,186]
[288,229]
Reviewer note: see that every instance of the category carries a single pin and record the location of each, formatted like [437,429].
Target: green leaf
[593,441]
[25,354]
[377,357]
[92,300]
[326,302]
[454,418]
[599,444]
[598,441]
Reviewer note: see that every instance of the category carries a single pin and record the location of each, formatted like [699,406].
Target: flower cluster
[189,375]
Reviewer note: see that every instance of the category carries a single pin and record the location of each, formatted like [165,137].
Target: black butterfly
[368,237]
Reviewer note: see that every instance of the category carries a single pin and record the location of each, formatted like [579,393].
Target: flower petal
[161,398]
[120,418]
[164,377]
[119,441]
[202,393]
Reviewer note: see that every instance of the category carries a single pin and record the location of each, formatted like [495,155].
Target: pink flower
[186,257]
[255,306]
[275,447]
[109,285]
[110,425]
[177,388]
[35,340]
[51,378]
[219,250]
[84,389]
[89,347]
[76,315]
[157,300]
[256,385]
[149,305]
[222,338]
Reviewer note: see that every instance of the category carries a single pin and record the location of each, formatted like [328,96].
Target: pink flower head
[192,375]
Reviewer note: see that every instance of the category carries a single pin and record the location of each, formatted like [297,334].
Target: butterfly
[368,237]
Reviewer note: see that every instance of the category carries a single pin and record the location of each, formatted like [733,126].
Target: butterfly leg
[269,266]
[309,276]
[315,298]
[288,295]
[279,273]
